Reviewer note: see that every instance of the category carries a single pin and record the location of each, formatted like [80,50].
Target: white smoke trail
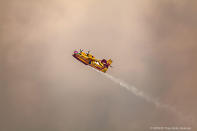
[132,89]
[149,99]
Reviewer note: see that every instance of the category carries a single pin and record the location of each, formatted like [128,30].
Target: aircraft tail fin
[109,61]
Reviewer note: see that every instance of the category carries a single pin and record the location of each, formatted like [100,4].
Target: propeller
[81,50]
[88,53]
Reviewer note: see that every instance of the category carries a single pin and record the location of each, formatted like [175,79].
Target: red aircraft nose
[75,52]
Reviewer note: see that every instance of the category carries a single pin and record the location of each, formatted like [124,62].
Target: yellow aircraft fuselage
[90,60]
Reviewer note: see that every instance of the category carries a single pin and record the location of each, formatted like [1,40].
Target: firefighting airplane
[88,59]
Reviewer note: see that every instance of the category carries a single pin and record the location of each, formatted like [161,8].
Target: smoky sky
[42,87]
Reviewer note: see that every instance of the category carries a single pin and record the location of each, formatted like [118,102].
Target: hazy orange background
[43,88]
